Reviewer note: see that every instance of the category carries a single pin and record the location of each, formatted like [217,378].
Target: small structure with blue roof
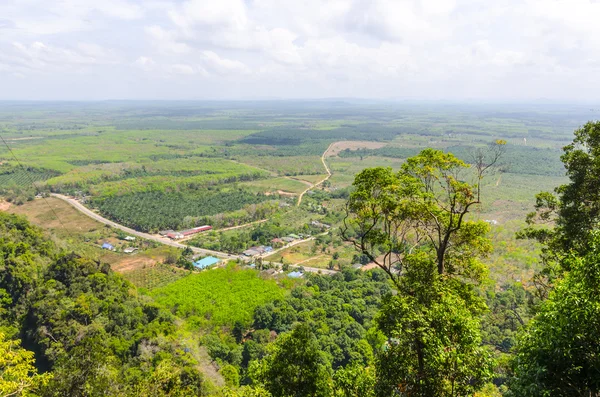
[206,262]
[295,274]
[107,246]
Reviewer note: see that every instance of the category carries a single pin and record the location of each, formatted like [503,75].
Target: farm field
[235,164]
[220,296]
[240,168]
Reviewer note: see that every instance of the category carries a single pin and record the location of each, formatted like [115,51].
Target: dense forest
[82,331]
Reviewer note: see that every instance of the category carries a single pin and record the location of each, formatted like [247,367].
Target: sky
[267,49]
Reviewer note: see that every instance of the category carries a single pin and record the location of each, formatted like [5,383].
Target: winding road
[322,181]
[165,240]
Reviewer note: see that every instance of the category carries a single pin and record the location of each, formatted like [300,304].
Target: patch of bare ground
[353,145]
[284,193]
[132,263]
[4,205]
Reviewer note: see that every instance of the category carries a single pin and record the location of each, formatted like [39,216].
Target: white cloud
[223,66]
[363,48]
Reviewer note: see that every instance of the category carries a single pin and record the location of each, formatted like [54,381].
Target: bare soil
[353,145]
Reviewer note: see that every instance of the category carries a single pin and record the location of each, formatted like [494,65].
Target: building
[295,274]
[107,246]
[294,236]
[188,232]
[251,252]
[166,232]
[287,239]
[268,249]
[206,262]
[321,225]
[129,238]
[277,241]
[130,250]
[199,229]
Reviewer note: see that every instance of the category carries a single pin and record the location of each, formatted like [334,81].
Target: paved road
[147,236]
[168,241]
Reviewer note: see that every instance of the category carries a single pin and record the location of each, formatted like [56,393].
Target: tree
[295,366]
[18,375]
[354,381]
[424,205]
[563,220]
[559,352]
[414,225]
[434,346]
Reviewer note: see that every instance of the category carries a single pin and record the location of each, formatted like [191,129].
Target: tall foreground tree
[559,352]
[573,210]
[414,224]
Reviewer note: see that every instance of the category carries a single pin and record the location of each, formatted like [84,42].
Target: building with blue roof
[107,246]
[295,274]
[206,262]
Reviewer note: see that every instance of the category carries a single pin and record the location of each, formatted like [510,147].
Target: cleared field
[220,296]
[353,145]
[275,184]
[313,254]
[154,275]
[311,178]
[285,165]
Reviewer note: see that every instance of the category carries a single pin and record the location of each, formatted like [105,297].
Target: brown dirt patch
[132,263]
[353,145]
[4,205]
[284,193]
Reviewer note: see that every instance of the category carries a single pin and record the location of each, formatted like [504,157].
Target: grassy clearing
[154,276]
[275,184]
[218,297]
[285,165]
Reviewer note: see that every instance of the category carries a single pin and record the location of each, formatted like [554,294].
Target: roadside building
[130,250]
[107,246]
[206,262]
[268,249]
[129,238]
[321,225]
[294,236]
[296,274]
[166,232]
[251,252]
[287,239]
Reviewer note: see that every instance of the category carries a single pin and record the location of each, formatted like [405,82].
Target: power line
[32,180]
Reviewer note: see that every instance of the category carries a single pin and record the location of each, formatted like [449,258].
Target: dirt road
[163,240]
[80,207]
[321,181]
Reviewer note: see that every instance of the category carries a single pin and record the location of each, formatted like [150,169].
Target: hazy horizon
[405,50]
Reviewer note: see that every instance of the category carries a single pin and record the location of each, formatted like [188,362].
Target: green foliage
[18,375]
[575,209]
[298,136]
[81,320]
[434,346]
[231,375]
[295,367]
[527,160]
[219,296]
[153,211]
[558,353]
[339,310]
